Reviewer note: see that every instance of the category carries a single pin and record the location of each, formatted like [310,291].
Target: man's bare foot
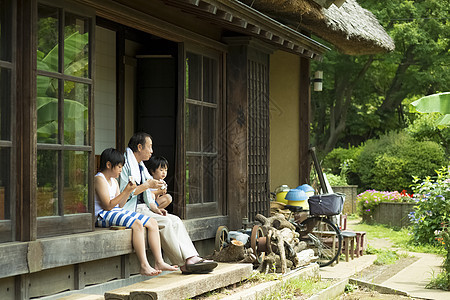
[149,271]
[196,259]
[162,266]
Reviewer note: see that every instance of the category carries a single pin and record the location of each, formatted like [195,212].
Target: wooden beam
[13,259]
[254,29]
[266,34]
[277,39]
[224,15]
[192,2]
[128,16]
[240,22]
[206,7]
[299,49]
[308,53]
[288,44]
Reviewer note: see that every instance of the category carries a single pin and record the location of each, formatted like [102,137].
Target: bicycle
[320,234]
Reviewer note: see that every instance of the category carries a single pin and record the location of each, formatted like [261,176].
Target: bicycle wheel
[321,235]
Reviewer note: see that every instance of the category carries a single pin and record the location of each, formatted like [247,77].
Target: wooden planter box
[350,197]
[391,214]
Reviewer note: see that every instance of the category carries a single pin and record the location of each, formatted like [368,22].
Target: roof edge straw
[351,28]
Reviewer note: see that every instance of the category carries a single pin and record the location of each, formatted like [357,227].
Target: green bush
[432,211]
[424,128]
[338,156]
[389,163]
[336,180]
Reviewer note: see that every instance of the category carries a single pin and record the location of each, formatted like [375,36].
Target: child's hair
[157,161]
[113,156]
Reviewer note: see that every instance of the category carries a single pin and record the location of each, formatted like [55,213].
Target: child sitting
[108,209]
[158,166]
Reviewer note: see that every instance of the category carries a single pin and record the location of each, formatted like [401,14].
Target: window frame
[80,222]
[216,207]
[7,226]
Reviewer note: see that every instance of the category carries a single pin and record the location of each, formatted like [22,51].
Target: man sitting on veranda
[175,240]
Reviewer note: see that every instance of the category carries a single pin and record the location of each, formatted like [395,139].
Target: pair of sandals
[201,267]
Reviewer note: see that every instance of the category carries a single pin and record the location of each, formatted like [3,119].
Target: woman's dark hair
[113,156]
[136,139]
[155,162]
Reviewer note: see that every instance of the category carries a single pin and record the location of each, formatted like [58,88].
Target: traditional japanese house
[219,84]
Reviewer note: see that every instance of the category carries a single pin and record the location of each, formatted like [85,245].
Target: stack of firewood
[288,252]
[284,250]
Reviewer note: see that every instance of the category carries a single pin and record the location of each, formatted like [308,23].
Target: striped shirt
[116,216]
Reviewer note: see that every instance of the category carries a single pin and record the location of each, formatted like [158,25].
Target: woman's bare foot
[149,271]
[162,266]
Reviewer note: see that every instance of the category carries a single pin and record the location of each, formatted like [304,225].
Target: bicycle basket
[326,204]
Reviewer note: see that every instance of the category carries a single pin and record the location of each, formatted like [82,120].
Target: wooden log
[277,221]
[288,235]
[280,244]
[305,257]
[233,252]
[300,246]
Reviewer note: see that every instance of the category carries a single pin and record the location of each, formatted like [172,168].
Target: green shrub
[336,180]
[389,163]
[433,207]
[424,128]
[334,160]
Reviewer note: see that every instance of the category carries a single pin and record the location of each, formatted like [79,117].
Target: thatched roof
[351,28]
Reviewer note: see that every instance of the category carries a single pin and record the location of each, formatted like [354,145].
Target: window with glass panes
[202,119]
[63,112]
[7,69]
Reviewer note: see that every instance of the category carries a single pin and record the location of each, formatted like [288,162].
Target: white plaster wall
[105,89]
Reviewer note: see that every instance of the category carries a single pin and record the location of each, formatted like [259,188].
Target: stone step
[175,285]
[82,297]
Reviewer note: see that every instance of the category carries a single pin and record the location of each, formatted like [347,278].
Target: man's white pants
[175,240]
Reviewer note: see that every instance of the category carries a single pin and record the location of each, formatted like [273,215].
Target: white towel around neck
[134,166]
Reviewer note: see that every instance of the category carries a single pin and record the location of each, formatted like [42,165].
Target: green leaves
[431,211]
[434,103]
[418,66]
[47,110]
[75,112]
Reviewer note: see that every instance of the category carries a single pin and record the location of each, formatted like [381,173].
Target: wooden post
[26,213]
[179,204]
[237,133]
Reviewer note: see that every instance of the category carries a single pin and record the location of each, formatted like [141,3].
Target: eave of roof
[239,17]
[351,28]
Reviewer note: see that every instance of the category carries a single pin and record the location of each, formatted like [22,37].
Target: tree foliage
[367,96]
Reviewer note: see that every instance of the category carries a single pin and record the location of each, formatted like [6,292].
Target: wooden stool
[348,243]
[360,240]
[343,222]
